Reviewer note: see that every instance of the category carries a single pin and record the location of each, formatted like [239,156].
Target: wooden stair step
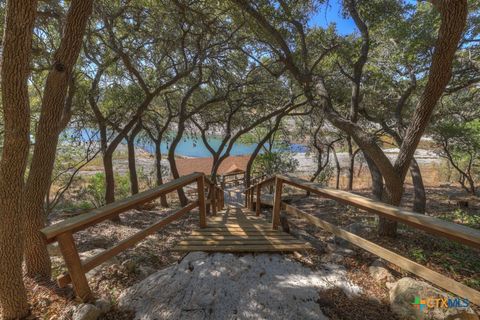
[245,248]
[205,242]
[230,237]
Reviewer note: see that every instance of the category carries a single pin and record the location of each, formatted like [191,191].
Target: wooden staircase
[238,229]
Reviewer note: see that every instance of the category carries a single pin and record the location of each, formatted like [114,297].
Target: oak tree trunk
[132,166]
[15,68]
[52,118]
[377,179]
[158,170]
[173,165]
[419,197]
[351,163]
[109,177]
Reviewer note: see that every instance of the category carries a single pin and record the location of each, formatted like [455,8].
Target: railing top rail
[210,182]
[460,233]
[85,220]
[261,183]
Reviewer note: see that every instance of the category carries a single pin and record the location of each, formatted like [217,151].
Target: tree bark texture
[132,166]
[49,127]
[15,68]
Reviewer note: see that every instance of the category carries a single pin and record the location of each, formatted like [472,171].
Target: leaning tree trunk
[109,176]
[52,117]
[377,179]
[351,164]
[419,197]
[158,170]
[337,166]
[173,164]
[132,166]
[15,68]
[248,172]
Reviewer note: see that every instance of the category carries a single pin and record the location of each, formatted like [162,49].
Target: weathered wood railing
[216,197]
[254,191]
[456,232]
[62,232]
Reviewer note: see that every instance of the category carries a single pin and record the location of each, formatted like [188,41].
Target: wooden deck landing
[239,230]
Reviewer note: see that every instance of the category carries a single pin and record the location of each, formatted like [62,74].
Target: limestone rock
[227,286]
[332,257]
[379,271]
[129,265]
[403,293]
[103,305]
[86,311]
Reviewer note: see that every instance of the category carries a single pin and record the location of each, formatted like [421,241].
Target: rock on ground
[379,271]
[86,311]
[227,286]
[402,295]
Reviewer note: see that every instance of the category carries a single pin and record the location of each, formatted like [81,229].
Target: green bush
[274,163]
[95,189]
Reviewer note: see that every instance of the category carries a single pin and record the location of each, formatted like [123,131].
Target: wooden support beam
[277,203]
[85,220]
[456,232]
[214,199]
[434,277]
[100,258]
[202,210]
[258,203]
[74,266]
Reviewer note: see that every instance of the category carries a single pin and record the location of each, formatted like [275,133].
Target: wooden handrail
[459,233]
[261,183]
[103,256]
[216,196]
[406,264]
[85,220]
[63,231]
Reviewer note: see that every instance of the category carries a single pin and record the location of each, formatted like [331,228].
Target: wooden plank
[232,237]
[263,183]
[277,203]
[459,233]
[74,266]
[202,209]
[233,225]
[245,248]
[404,263]
[247,241]
[129,242]
[85,220]
[235,233]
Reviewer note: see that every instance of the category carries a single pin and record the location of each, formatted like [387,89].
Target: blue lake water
[192,147]
[196,148]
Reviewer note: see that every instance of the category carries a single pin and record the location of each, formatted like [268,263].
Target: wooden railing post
[258,203]
[277,203]
[223,199]
[213,200]
[247,193]
[208,191]
[220,199]
[251,198]
[202,210]
[74,266]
